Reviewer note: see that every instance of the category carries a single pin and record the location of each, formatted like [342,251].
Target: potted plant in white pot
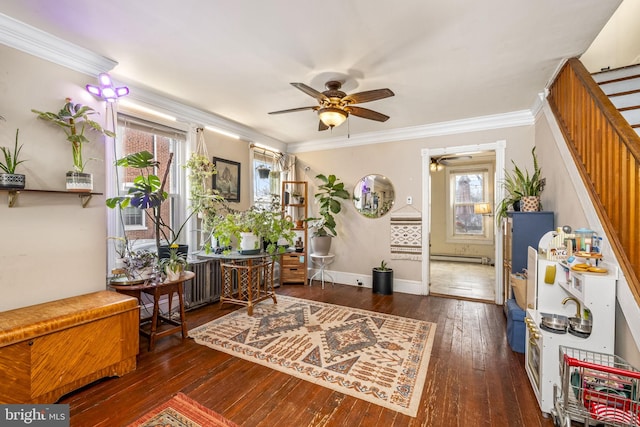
[9,179]
[328,195]
[382,279]
[74,120]
[174,265]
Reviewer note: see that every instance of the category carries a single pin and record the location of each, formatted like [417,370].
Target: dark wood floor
[474,378]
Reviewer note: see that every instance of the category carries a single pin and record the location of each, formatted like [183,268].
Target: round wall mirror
[373,196]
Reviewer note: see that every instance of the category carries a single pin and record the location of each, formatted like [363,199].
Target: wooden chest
[293,268]
[50,349]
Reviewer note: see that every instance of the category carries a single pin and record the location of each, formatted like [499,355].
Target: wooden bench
[50,349]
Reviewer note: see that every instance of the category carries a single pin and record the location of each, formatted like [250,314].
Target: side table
[157,328]
[321,261]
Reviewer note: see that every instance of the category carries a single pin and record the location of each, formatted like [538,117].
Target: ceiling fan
[438,163]
[335,105]
[446,160]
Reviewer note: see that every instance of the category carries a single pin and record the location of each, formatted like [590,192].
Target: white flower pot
[249,243]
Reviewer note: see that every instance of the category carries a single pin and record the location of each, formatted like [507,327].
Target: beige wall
[363,242]
[51,247]
[618,43]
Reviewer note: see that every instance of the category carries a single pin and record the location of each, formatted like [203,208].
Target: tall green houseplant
[520,184]
[329,195]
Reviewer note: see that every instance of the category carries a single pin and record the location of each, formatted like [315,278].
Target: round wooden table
[160,325]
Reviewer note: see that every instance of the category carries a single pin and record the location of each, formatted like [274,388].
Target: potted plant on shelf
[74,120]
[382,279]
[328,195]
[522,189]
[9,179]
[174,265]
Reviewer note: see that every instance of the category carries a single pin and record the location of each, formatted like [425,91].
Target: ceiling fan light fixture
[332,116]
[435,166]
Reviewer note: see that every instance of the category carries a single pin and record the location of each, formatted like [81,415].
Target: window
[467,186]
[266,178]
[135,135]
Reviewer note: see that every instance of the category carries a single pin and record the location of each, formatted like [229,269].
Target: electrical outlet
[409,200]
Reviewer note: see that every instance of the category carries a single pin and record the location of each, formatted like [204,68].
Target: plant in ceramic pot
[9,179]
[276,232]
[174,265]
[522,189]
[329,195]
[74,120]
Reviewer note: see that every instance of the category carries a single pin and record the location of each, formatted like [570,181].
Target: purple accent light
[106,90]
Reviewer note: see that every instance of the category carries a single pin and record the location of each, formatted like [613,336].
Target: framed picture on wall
[227,180]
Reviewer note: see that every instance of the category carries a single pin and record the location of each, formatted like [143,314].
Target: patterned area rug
[376,357]
[182,411]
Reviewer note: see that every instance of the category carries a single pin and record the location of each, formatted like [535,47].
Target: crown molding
[186,113]
[33,41]
[497,121]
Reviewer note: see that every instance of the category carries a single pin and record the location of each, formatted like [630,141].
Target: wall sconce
[106,90]
[435,166]
[483,209]
[332,117]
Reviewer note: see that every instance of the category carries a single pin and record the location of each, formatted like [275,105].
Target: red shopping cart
[596,388]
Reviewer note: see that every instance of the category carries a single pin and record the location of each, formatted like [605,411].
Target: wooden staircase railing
[606,151]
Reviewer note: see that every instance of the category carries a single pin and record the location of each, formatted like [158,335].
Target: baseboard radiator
[462,258]
[205,286]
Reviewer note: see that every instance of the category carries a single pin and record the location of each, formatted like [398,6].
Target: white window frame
[487,237]
[178,194]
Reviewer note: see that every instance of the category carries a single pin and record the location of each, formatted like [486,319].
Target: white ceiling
[444,59]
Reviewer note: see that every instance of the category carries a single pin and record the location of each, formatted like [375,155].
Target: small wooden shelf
[294,264]
[84,197]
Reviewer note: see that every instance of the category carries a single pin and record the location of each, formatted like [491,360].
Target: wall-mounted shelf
[84,197]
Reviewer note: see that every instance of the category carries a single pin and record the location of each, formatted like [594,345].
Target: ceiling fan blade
[293,110]
[365,113]
[310,91]
[446,160]
[368,96]
[322,126]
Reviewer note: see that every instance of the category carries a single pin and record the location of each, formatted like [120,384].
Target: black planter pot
[12,181]
[164,251]
[382,281]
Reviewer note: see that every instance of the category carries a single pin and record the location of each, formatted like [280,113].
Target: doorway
[462,238]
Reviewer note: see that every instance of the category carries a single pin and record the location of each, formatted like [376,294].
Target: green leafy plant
[268,225]
[147,193]
[74,121]
[329,195]
[383,266]
[11,158]
[520,183]
[176,262]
